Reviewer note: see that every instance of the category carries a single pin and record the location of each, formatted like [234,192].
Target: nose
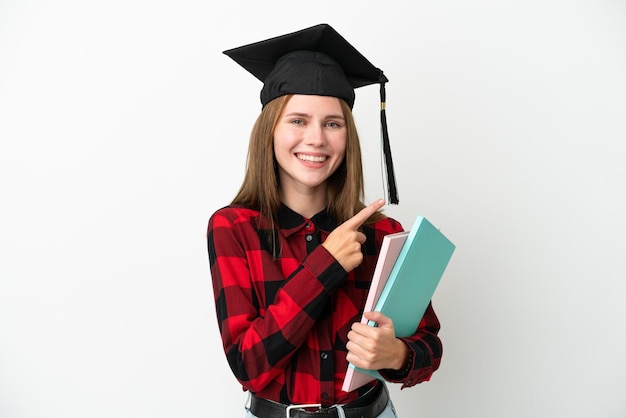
[314,136]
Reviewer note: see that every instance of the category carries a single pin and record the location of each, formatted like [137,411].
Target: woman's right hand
[345,242]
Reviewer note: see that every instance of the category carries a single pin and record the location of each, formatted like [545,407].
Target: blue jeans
[388,412]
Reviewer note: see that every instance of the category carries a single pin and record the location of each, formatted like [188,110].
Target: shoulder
[385,225]
[233,218]
[233,214]
[376,231]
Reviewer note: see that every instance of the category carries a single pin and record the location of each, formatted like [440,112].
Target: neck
[306,204]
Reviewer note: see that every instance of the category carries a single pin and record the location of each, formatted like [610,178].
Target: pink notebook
[389,250]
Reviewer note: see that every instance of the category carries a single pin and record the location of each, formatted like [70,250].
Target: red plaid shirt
[284,319]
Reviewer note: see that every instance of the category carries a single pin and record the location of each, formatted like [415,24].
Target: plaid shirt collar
[290,222]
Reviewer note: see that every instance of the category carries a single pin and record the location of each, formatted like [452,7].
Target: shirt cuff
[326,268]
[403,373]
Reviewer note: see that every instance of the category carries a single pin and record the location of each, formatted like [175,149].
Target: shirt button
[324,395]
[308,224]
[324,356]
[309,238]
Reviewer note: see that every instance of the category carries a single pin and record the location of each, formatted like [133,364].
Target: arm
[259,340]
[425,351]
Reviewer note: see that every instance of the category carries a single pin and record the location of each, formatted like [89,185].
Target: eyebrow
[301,114]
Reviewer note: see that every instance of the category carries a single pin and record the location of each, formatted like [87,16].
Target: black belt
[369,405]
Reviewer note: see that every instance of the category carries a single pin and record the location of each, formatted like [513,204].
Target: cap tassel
[391,178]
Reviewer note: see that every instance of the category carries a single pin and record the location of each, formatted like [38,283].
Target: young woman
[293,255]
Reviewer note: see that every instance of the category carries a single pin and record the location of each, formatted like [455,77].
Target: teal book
[409,269]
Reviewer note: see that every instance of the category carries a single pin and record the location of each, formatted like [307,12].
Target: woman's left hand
[374,348]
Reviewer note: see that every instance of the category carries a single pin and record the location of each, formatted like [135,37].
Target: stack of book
[409,268]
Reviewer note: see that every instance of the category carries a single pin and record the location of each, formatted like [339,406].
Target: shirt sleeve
[259,344]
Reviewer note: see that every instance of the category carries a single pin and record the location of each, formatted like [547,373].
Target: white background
[123,127]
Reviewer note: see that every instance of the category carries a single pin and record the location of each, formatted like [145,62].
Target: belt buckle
[301,406]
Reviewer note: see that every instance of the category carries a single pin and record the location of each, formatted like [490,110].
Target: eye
[333,124]
[297,121]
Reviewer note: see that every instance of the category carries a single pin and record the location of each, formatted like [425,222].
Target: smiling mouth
[312,158]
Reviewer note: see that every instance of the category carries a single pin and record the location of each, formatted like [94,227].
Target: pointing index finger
[357,220]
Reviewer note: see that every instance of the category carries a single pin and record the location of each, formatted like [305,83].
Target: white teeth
[312,158]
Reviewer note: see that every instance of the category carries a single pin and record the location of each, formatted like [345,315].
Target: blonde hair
[260,188]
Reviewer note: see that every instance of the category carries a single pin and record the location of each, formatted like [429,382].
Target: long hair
[260,188]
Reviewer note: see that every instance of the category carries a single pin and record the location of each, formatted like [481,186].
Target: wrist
[403,356]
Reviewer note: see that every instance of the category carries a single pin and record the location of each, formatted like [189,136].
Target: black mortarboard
[316,61]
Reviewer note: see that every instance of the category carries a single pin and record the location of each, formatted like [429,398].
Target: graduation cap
[315,61]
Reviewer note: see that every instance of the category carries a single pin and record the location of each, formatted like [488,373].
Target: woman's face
[309,142]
